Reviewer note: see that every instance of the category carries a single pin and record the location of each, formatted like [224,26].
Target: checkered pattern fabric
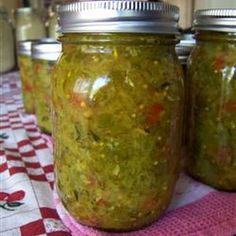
[26,170]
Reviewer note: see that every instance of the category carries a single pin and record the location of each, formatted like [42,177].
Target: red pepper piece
[153,114]
[219,62]
[77,100]
[28,88]
[150,203]
[230,106]
[224,154]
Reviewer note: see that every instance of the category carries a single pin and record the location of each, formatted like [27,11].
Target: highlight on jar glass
[26,74]
[45,54]
[212,100]
[117,93]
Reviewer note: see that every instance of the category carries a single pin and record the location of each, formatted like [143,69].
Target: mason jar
[212,99]
[29,24]
[44,53]
[7,54]
[117,93]
[183,50]
[26,74]
[53,26]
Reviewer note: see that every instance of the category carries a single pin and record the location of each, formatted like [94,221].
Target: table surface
[27,207]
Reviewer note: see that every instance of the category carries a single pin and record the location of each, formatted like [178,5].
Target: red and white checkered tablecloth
[26,170]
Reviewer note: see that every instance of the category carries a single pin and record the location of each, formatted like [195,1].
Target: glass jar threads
[117,98]
[212,99]
[44,53]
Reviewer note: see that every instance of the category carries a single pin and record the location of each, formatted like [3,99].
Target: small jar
[26,75]
[7,54]
[29,25]
[44,53]
[117,93]
[212,99]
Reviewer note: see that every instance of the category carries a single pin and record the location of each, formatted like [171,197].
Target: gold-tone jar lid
[222,20]
[119,17]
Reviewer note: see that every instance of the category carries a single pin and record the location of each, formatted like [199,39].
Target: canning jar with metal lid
[45,54]
[26,74]
[117,94]
[212,99]
[29,25]
[7,54]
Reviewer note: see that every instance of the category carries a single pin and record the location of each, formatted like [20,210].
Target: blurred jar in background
[44,53]
[6,42]
[26,74]
[53,22]
[29,24]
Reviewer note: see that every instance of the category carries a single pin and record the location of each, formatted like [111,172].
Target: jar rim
[219,19]
[119,17]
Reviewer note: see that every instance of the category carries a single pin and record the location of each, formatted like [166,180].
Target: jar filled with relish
[44,53]
[117,93]
[26,74]
[212,99]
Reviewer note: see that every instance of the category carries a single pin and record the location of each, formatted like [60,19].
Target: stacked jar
[212,99]
[45,54]
[117,93]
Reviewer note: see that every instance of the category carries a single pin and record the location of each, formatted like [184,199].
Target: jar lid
[184,47]
[46,49]
[223,20]
[24,47]
[119,17]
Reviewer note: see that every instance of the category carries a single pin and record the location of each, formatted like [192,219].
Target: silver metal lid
[24,47]
[46,49]
[119,16]
[223,20]
[184,48]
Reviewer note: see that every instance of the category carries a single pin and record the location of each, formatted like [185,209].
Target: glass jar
[29,25]
[7,54]
[183,50]
[212,100]
[117,98]
[44,54]
[53,26]
[26,75]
